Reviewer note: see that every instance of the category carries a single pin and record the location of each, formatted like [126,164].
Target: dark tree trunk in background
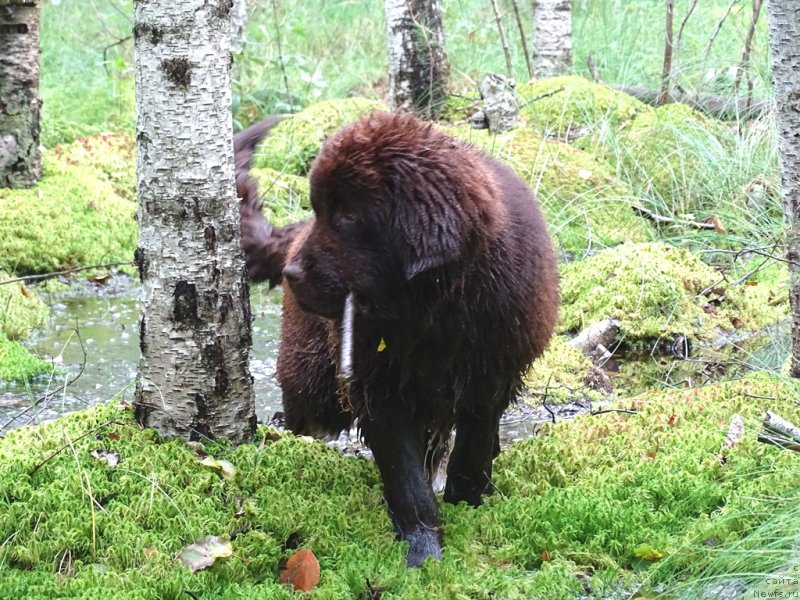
[666,71]
[418,67]
[552,37]
[784,36]
[20,159]
[193,378]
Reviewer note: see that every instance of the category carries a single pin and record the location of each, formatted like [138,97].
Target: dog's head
[394,198]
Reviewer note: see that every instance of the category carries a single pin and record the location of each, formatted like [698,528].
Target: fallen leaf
[111,458]
[585,174]
[647,552]
[302,571]
[227,468]
[149,551]
[382,345]
[24,291]
[672,419]
[717,223]
[545,555]
[204,552]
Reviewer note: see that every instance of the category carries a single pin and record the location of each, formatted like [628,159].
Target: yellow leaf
[382,345]
[647,552]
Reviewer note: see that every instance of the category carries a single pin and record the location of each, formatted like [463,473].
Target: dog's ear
[432,234]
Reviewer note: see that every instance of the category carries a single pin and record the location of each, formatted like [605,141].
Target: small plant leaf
[302,570]
[204,552]
[647,552]
[111,458]
[226,468]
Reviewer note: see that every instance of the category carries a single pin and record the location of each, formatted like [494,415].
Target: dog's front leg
[398,445]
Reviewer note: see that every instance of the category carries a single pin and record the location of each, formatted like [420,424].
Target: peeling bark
[418,66]
[20,106]
[552,37]
[193,378]
[784,33]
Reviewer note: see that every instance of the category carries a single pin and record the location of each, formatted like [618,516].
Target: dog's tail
[265,247]
[245,142]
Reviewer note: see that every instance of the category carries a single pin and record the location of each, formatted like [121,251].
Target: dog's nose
[293,272]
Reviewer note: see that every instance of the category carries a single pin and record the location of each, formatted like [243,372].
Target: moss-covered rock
[17,363]
[564,373]
[585,205]
[285,197]
[21,309]
[110,156]
[70,218]
[578,105]
[592,502]
[659,291]
[295,141]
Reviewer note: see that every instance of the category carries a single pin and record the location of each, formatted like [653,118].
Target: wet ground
[92,337]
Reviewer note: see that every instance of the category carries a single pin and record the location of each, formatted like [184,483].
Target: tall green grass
[335,48]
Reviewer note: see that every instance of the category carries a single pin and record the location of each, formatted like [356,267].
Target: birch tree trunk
[418,66]
[238,23]
[193,378]
[784,37]
[20,159]
[552,37]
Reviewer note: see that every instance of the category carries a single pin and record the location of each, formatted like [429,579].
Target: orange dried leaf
[545,555]
[302,570]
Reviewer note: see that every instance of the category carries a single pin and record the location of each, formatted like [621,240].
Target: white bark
[20,159]
[418,67]
[193,378]
[238,23]
[552,37]
[499,104]
[784,33]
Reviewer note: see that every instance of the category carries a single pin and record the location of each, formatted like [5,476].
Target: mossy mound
[295,141]
[21,309]
[584,204]
[622,490]
[590,504]
[579,104]
[17,363]
[70,218]
[659,291]
[563,374]
[285,197]
[665,153]
[110,156]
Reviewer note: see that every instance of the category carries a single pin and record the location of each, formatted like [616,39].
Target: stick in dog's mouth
[346,365]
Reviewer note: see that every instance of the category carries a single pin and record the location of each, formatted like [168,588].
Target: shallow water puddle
[101,320]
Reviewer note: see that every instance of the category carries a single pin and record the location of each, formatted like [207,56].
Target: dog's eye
[346,217]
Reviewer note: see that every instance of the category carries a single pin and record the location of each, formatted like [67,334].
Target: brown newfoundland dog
[444,259]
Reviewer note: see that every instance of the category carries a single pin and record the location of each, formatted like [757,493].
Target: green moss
[293,144]
[580,104]
[562,374]
[654,290]
[583,499]
[584,204]
[285,197]
[607,486]
[21,310]
[17,363]
[459,107]
[70,218]
[110,156]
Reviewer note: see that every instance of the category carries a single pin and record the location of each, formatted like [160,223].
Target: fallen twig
[69,443]
[670,220]
[67,272]
[720,107]
[779,432]
[541,96]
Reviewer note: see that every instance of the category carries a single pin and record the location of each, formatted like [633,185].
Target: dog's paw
[424,543]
